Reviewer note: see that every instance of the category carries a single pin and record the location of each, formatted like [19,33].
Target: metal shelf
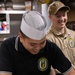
[5,32]
[11,12]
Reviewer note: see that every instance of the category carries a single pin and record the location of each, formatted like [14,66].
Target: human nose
[37,47]
[61,19]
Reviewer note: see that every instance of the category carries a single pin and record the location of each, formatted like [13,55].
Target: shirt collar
[54,31]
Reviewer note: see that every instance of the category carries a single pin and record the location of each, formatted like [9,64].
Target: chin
[63,25]
[34,53]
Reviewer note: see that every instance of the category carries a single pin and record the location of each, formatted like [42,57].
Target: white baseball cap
[34,25]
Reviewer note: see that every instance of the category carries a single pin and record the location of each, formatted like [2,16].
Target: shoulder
[50,45]
[50,35]
[69,30]
[10,39]
[8,42]
[50,48]
[50,32]
[71,33]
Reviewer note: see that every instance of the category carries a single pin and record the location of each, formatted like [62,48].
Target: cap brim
[64,7]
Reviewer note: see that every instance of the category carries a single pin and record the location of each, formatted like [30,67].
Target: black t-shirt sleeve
[60,62]
[5,58]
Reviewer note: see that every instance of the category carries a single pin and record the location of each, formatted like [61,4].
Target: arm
[71,72]
[61,63]
[5,73]
[5,60]
[52,71]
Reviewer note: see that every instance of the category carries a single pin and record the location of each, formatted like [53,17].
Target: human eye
[32,44]
[57,16]
[43,43]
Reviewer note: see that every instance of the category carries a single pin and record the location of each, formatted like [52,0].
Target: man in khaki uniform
[59,33]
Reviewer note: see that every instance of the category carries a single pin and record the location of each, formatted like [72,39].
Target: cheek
[55,20]
[27,46]
[42,46]
[65,18]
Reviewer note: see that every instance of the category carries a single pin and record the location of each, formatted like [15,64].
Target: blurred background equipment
[70,3]
[43,1]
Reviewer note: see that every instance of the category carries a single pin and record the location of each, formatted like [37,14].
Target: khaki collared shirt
[65,41]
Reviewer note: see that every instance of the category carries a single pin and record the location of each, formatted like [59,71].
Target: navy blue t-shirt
[22,62]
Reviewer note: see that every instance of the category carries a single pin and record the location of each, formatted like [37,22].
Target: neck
[61,30]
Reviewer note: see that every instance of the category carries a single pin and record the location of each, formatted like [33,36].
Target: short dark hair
[24,36]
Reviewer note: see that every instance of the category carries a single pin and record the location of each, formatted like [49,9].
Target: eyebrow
[43,42]
[36,43]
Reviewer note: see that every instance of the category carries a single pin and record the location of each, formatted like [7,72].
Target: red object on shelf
[4,26]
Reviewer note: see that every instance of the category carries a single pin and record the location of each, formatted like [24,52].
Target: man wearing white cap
[30,53]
